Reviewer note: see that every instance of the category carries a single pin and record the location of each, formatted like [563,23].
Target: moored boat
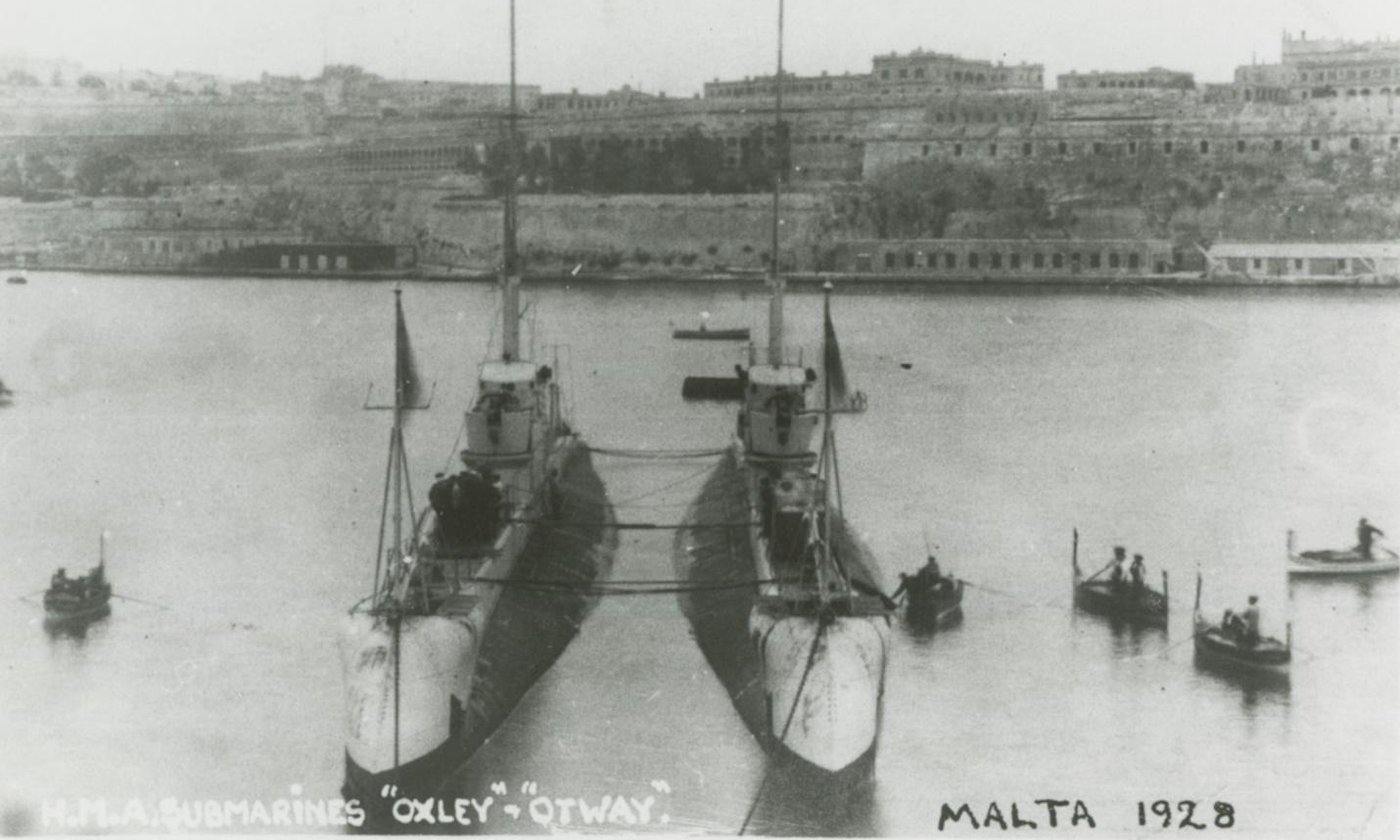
[1228,647]
[706,334]
[81,599]
[932,599]
[1122,600]
[1350,561]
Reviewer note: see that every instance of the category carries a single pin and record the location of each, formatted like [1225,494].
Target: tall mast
[396,443]
[775,282]
[510,267]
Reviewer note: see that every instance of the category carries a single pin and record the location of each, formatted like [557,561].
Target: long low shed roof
[1308,250]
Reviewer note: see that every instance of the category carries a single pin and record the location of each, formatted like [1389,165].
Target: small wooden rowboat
[932,603]
[1141,605]
[1218,647]
[1345,562]
[79,600]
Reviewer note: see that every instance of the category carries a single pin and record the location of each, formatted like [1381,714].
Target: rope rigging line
[669,485]
[636,587]
[1051,605]
[656,454]
[602,499]
[646,526]
[447,465]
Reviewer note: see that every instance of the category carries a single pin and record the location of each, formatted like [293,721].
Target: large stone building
[931,72]
[1277,136]
[1154,78]
[623,98]
[846,84]
[916,74]
[1328,68]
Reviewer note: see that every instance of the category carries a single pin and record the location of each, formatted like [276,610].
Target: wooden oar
[1100,571]
[139,601]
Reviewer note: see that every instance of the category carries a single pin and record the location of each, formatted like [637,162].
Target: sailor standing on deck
[1365,535]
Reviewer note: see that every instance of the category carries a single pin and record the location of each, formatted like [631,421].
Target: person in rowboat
[929,578]
[1120,556]
[1249,629]
[1365,535]
[1138,573]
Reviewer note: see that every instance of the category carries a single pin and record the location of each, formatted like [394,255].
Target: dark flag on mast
[831,361]
[407,389]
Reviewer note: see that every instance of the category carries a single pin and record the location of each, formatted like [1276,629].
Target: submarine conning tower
[775,423]
[501,423]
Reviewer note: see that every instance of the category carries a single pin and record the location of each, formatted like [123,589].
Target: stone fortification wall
[607,231]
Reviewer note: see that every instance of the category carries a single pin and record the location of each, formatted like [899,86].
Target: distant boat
[1137,605]
[706,334]
[79,600]
[1348,561]
[17,280]
[1221,647]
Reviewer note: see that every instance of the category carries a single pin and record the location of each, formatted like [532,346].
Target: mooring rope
[633,587]
[656,454]
[645,526]
[664,487]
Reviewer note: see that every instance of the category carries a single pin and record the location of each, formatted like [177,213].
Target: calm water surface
[214,428]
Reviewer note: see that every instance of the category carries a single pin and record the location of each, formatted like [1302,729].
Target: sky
[670,46]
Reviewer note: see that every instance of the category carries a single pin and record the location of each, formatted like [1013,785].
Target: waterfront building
[1005,259]
[176,247]
[1355,262]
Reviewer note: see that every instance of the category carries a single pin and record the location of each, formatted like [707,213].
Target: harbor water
[214,429]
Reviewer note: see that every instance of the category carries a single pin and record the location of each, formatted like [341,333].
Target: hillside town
[929,165]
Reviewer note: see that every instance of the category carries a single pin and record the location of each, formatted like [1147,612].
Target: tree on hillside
[39,174]
[92,82]
[11,179]
[698,161]
[568,164]
[610,166]
[535,167]
[20,78]
[101,173]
